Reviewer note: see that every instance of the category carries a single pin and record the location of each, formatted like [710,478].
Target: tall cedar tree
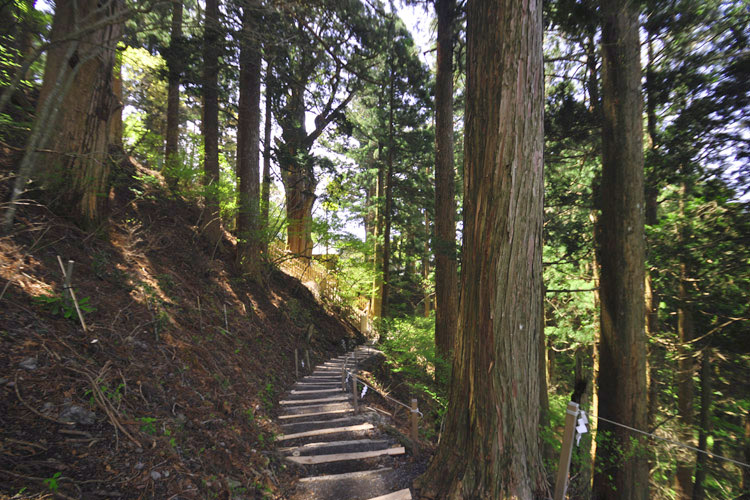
[446,268]
[174,65]
[76,107]
[490,448]
[211,49]
[621,465]
[248,142]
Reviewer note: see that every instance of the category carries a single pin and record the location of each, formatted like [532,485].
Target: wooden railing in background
[321,281]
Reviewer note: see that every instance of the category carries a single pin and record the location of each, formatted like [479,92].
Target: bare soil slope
[170,392]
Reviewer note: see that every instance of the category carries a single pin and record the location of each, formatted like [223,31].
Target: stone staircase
[341,453]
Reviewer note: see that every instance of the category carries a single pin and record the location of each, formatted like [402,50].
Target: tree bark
[76,109]
[685,367]
[621,461]
[446,269]
[174,65]
[212,217]
[388,209]
[745,470]
[248,144]
[701,459]
[490,447]
[377,286]
[426,264]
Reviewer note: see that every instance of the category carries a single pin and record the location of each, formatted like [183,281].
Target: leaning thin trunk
[76,106]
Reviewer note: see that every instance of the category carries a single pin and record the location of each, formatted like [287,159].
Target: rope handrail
[672,441]
[385,396]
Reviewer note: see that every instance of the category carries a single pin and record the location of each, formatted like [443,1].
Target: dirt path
[341,452]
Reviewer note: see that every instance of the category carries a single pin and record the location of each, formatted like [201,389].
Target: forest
[521,204]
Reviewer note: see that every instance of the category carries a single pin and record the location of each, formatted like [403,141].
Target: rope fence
[576,424]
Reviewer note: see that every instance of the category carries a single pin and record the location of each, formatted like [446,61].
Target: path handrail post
[296,365]
[414,431]
[355,403]
[561,482]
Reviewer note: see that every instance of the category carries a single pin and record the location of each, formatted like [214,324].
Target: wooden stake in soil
[414,434]
[68,275]
[307,358]
[296,364]
[561,483]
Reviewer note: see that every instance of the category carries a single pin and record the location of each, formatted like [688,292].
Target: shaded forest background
[220,138]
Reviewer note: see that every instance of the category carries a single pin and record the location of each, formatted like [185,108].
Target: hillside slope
[169,393]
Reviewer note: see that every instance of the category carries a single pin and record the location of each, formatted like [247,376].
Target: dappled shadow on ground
[170,391]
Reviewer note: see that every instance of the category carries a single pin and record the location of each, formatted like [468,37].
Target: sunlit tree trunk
[211,216]
[174,65]
[446,273]
[75,112]
[490,447]
[621,460]
[248,144]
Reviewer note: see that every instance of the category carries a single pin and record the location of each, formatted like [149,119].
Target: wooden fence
[321,281]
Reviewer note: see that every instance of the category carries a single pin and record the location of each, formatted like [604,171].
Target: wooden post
[561,483]
[414,431]
[307,358]
[343,379]
[355,402]
[296,364]
[67,275]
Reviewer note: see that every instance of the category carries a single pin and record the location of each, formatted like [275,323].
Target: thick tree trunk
[265,199]
[446,269]
[490,447]
[212,216]
[621,461]
[248,145]
[78,114]
[174,65]
[701,459]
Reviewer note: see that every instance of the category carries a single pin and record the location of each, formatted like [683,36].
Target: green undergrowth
[409,346]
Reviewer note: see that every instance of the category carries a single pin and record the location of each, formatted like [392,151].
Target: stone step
[350,486]
[315,415]
[341,457]
[325,448]
[330,430]
[323,400]
[311,425]
[404,494]
[309,409]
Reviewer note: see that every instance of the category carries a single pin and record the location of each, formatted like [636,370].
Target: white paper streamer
[581,427]
[364,391]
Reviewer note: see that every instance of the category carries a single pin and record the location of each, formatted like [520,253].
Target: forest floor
[171,391]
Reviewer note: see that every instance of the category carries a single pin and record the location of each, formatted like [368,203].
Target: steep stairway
[341,453]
